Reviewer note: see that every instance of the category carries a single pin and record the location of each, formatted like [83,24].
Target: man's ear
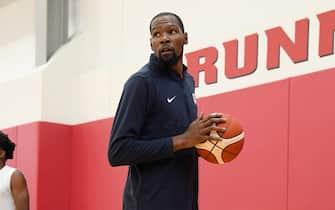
[151,44]
[185,38]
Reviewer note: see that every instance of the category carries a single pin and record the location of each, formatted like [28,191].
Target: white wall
[17,53]
[21,101]
[80,79]
[84,79]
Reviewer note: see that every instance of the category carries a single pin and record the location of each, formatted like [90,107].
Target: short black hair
[7,145]
[180,22]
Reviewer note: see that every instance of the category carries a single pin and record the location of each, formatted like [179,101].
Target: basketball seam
[214,144]
[230,144]
[210,151]
[223,150]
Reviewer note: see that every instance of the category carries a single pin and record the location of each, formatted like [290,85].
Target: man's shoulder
[138,79]
[144,74]
[144,71]
[189,76]
[187,72]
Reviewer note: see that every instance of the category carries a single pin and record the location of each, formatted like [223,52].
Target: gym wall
[60,114]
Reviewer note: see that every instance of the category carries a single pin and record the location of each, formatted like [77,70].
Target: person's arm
[19,191]
[125,147]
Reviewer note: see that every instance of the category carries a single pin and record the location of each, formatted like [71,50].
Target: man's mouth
[166,50]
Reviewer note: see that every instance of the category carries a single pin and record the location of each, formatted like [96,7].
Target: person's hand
[199,131]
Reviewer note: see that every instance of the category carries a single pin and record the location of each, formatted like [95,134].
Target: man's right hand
[199,131]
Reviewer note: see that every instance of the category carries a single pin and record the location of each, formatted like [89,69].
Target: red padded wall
[95,185]
[42,154]
[257,178]
[54,170]
[27,155]
[312,142]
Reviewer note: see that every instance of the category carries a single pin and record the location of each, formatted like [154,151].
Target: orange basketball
[226,150]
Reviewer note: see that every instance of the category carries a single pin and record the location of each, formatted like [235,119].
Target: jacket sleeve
[125,146]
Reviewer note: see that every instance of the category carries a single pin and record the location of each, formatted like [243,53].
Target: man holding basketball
[13,187]
[156,126]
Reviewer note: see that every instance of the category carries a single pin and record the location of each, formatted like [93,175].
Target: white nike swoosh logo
[169,100]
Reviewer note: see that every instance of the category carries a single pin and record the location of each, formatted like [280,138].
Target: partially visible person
[14,193]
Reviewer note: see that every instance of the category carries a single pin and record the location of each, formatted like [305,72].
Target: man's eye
[173,31]
[156,34]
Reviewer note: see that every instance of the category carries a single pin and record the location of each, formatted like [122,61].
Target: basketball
[224,151]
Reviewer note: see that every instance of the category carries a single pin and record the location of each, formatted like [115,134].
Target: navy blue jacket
[156,104]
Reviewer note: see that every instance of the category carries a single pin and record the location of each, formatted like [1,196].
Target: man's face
[167,39]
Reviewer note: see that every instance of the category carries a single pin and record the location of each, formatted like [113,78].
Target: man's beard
[169,61]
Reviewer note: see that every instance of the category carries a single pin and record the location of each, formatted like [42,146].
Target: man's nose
[165,38]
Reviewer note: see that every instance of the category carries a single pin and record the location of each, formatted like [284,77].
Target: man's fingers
[201,116]
[212,139]
[210,116]
[214,115]
[213,121]
[218,128]
[207,130]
